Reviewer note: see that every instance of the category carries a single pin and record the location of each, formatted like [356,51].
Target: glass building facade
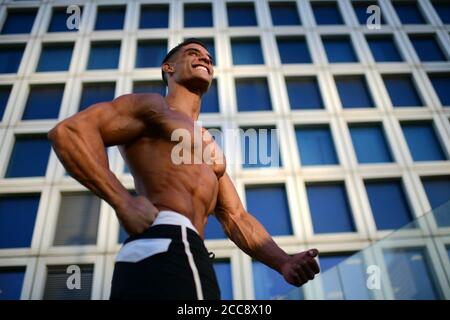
[362,119]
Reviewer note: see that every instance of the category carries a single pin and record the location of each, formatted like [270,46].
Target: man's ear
[168,68]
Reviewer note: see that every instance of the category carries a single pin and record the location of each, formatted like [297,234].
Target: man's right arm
[80,141]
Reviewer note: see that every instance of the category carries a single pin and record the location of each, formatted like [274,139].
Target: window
[441,83]
[293,50]
[246,51]
[55,57]
[443,10]
[154,16]
[402,91]
[422,141]
[4,97]
[437,190]
[339,49]
[110,18]
[330,211]
[77,219]
[326,13]
[150,53]
[26,148]
[104,55]
[269,284]
[197,15]
[304,93]
[17,217]
[260,148]
[222,268]
[384,49]
[408,12]
[43,102]
[11,282]
[58,22]
[213,229]
[56,283]
[284,14]
[19,21]
[149,86]
[361,11]
[252,94]
[241,14]
[427,48]
[210,100]
[354,92]
[315,145]
[370,143]
[10,57]
[269,204]
[416,280]
[389,204]
[96,92]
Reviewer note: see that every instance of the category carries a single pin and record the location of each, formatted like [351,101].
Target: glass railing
[410,263]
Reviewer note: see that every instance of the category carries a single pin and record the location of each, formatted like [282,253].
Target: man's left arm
[252,238]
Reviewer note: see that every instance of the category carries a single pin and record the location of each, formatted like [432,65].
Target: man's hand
[300,268]
[136,214]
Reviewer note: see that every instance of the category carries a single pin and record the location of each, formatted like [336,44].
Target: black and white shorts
[167,261]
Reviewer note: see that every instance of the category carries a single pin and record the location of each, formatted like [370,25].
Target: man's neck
[185,101]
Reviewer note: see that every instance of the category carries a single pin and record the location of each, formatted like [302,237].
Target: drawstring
[212,255]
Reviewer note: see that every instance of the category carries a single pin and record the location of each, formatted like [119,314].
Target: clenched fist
[300,268]
[136,214]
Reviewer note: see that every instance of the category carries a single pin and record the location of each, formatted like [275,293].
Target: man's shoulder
[143,101]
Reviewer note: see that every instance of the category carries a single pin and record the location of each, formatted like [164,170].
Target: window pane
[370,143]
[56,283]
[96,92]
[149,86]
[10,57]
[354,92]
[437,189]
[58,22]
[198,15]
[408,12]
[241,14]
[17,218]
[260,148]
[77,220]
[210,100]
[284,14]
[43,102]
[223,273]
[361,11]
[55,57]
[269,204]
[423,142]
[154,16]
[441,84]
[150,54]
[443,10]
[410,274]
[253,95]
[4,97]
[213,229]
[293,50]
[339,49]
[269,284]
[384,49]
[110,18]
[402,91]
[315,145]
[304,93]
[19,21]
[26,148]
[11,282]
[326,13]
[389,205]
[104,55]
[330,211]
[246,51]
[427,48]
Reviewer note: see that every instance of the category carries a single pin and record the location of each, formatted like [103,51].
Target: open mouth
[203,68]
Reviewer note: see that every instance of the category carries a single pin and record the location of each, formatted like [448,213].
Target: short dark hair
[174,50]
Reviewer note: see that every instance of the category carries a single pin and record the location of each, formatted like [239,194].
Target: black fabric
[166,275]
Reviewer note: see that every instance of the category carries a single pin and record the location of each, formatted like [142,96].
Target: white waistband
[174,218]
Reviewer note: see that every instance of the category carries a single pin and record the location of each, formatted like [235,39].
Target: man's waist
[169,217]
